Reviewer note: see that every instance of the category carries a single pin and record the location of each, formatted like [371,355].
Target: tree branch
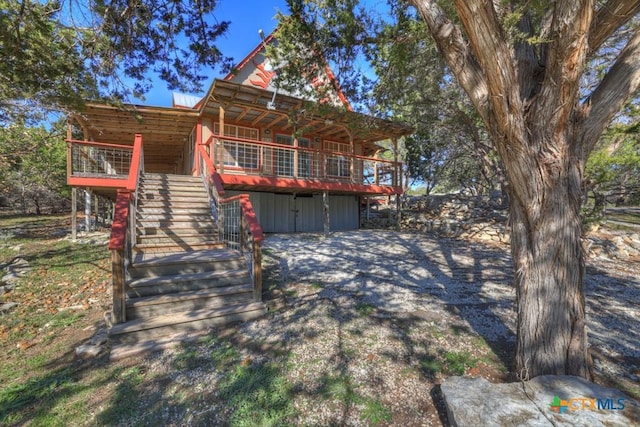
[622,80]
[611,16]
[490,48]
[566,59]
[454,48]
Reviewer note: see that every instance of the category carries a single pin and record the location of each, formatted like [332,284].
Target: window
[338,166]
[239,154]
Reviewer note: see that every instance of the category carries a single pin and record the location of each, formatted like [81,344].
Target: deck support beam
[398,211]
[325,211]
[87,210]
[74,213]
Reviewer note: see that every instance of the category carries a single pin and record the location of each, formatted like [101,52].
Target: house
[213,173]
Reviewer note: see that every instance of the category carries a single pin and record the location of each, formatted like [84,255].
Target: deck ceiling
[247,104]
[164,130]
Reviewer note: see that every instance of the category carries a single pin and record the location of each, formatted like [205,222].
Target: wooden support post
[295,155]
[196,143]
[398,212]
[257,271]
[220,152]
[96,211]
[368,208]
[395,177]
[118,313]
[87,210]
[74,213]
[325,211]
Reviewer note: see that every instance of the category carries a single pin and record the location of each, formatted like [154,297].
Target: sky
[246,17]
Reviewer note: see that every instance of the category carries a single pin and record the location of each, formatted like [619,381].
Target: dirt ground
[369,324]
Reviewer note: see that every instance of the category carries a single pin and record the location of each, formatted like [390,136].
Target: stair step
[146,264]
[180,229]
[181,240]
[174,217]
[168,212]
[140,329]
[186,202]
[148,224]
[169,248]
[171,284]
[155,305]
[174,200]
[169,177]
[172,190]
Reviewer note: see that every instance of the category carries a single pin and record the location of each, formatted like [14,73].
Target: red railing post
[117,246]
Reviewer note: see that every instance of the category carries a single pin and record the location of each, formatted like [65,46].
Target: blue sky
[246,17]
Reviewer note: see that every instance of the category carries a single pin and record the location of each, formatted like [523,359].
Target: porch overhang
[261,108]
[165,130]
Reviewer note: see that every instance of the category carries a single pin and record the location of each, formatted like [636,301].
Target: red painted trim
[120,221]
[198,141]
[249,57]
[136,158]
[292,184]
[97,182]
[337,88]
[252,218]
[214,176]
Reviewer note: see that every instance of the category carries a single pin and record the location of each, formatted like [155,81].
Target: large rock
[543,401]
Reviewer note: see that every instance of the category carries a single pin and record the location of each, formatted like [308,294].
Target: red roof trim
[249,57]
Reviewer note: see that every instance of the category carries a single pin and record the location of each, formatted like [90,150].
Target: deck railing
[123,230]
[238,224]
[237,155]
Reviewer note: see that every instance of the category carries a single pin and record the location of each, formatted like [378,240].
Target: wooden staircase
[181,279]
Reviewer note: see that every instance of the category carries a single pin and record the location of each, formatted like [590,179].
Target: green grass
[341,388]
[374,412]
[365,310]
[457,363]
[257,395]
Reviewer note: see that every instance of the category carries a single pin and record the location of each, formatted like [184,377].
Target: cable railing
[235,155]
[87,160]
[238,225]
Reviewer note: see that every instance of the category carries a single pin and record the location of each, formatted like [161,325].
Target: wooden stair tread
[212,255]
[190,295]
[186,277]
[184,317]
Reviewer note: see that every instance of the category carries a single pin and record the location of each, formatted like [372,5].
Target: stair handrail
[249,236]
[211,180]
[137,168]
[123,231]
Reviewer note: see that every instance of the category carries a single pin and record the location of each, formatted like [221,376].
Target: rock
[6,288]
[17,269]
[100,338]
[477,402]
[7,306]
[88,350]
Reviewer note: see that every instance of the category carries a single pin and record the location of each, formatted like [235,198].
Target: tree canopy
[55,54]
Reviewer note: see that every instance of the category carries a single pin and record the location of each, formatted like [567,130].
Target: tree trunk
[549,264]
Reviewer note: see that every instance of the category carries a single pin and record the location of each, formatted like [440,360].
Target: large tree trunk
[549,266]
[528,96]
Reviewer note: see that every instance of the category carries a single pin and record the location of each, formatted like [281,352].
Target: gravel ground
[374,321]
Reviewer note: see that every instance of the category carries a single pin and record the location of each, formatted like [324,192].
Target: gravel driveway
[374,321]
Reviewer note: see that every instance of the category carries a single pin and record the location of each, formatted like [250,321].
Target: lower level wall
[288,213]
